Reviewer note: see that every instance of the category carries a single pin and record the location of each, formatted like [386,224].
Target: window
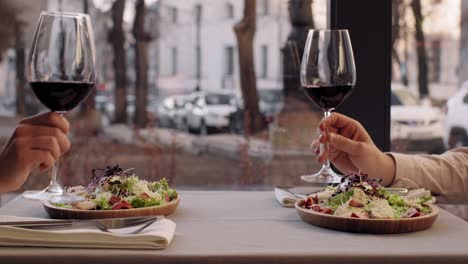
[218,99]
[264,7]
[264,69]
[198,13]
[229,9]
[183,54]
[174,15]
[198,62]
[428,63]
[465,98]
[229,60]
[174,58]
[434,65]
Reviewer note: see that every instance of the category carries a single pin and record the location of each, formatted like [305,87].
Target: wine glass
[61,73]
[328,76]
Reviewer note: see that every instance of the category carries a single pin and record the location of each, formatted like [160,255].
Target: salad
[120,189]
[361,197]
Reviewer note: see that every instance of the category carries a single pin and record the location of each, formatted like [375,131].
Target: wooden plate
[64,213]
[375,226]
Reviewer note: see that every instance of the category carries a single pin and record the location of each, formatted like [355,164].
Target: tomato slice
[122,205]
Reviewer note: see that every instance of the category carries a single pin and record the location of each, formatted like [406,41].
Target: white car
[270,102]
[209,110]
[456,121]
[415,126]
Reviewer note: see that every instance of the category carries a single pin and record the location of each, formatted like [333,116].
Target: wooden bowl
[374,226]
[64,213]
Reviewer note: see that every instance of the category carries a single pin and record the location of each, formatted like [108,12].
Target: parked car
[456,121]
[417,126]
[209,110]
[164,113]
[105,103]
[237,118]
[172,113]
[270,102]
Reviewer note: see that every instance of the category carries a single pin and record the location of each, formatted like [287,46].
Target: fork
[149,221]
[105,225]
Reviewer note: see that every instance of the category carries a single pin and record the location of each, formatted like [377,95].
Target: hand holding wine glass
[352,150]
[328,75]
[61,71]
[37,142]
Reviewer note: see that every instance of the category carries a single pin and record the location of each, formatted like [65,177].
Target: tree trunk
[462,71]
[20,71]
[245,31]
[89,103]
[141,64]
[420,49]
[396,6]
[117,38]
[301,19]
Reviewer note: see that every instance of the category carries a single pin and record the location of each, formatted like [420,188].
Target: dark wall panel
[369,25]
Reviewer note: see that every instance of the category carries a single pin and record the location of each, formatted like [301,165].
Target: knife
[109,223]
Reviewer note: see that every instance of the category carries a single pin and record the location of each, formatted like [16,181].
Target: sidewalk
[226,145]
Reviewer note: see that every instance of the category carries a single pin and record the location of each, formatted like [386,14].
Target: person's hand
[352,150]
[37,142]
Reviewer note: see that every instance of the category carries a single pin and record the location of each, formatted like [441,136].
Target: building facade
[197,45]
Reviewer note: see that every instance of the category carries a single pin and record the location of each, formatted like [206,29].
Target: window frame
[369,25]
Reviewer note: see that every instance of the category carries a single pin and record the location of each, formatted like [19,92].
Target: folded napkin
[156,236]
[284,198]
[287,199]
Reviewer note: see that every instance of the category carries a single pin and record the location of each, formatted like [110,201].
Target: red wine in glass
[61,97]
[328,97]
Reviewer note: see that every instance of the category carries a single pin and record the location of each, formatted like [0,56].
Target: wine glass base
[65,199]
[50,191]
[52,194]
[325,175]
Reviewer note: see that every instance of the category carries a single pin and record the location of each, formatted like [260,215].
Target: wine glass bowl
[61,73]
[328,75]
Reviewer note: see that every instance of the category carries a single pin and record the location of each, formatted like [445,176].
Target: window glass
[229,59]
[199,84]
[264,69]
[174,14]
[229,9]
[174,60]
[218,99]
[429,67]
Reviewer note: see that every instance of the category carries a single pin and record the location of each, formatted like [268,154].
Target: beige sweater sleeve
[446,174]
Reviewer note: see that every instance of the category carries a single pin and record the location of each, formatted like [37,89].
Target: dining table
[252,227]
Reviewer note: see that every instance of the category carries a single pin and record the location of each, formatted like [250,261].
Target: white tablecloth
[251,227]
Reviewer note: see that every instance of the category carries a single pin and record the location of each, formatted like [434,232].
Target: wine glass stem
[54,185]
[326,165]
